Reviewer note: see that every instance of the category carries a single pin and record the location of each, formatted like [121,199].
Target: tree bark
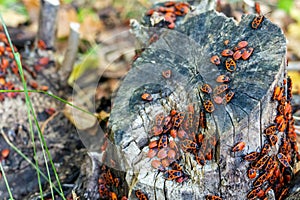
[186,51]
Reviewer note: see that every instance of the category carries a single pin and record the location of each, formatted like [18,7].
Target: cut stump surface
[187,51]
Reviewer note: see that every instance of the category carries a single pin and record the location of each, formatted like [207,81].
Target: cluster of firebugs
[221,93]
[273,170]
[177,129]
[9,66]
[4,154]
[7,62]
[166,14]
[107,184]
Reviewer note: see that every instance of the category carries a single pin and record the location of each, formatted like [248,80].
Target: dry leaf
[68,14]
[103,115]
[89,63]
[295,76]
[114,84]
[33,9]
[293,46]
[102,4]
[81,120]
[293,30]
[12,18]
[90,27]
[102,91]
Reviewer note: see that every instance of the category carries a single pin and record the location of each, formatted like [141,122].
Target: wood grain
[187,53]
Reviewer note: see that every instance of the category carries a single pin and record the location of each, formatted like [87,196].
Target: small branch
[48,120]
[295,65]
[92,177]
[71,53]
[47,22]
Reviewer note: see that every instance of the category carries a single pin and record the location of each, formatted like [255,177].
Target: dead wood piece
[294,191]
[47,22]
[71,52]
[187,52]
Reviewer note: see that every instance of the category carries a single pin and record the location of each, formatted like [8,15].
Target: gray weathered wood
[47,22]
[294,189]
[187,53]
[71,52]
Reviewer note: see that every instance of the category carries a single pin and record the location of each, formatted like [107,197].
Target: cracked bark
[187,53]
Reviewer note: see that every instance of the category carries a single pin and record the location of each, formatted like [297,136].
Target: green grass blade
[26,158]
[30,112]
[53,96]
[6,183]
[41,137]
[27,104]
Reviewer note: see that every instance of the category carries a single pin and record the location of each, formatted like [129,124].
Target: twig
[296,117]
[47,22]
[70,55]
[48,120]
[294,66]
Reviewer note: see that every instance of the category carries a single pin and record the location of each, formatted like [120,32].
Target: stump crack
[187,54]
[250,96]
[260,124]
[154,185]
[165,190]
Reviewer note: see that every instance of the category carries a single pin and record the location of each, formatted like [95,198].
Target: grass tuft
[30,114]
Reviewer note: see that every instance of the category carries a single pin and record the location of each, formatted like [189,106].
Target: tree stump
[294,188]
[187,52]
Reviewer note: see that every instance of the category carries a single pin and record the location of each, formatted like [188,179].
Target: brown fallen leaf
[102,115]
[68,13]
[113,84]
[81,120]
[18,18]
[295,76]
[33,9]
[102,91]
[90,27]
[98,5]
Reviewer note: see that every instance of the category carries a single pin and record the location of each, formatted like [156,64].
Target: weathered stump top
[187,52]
